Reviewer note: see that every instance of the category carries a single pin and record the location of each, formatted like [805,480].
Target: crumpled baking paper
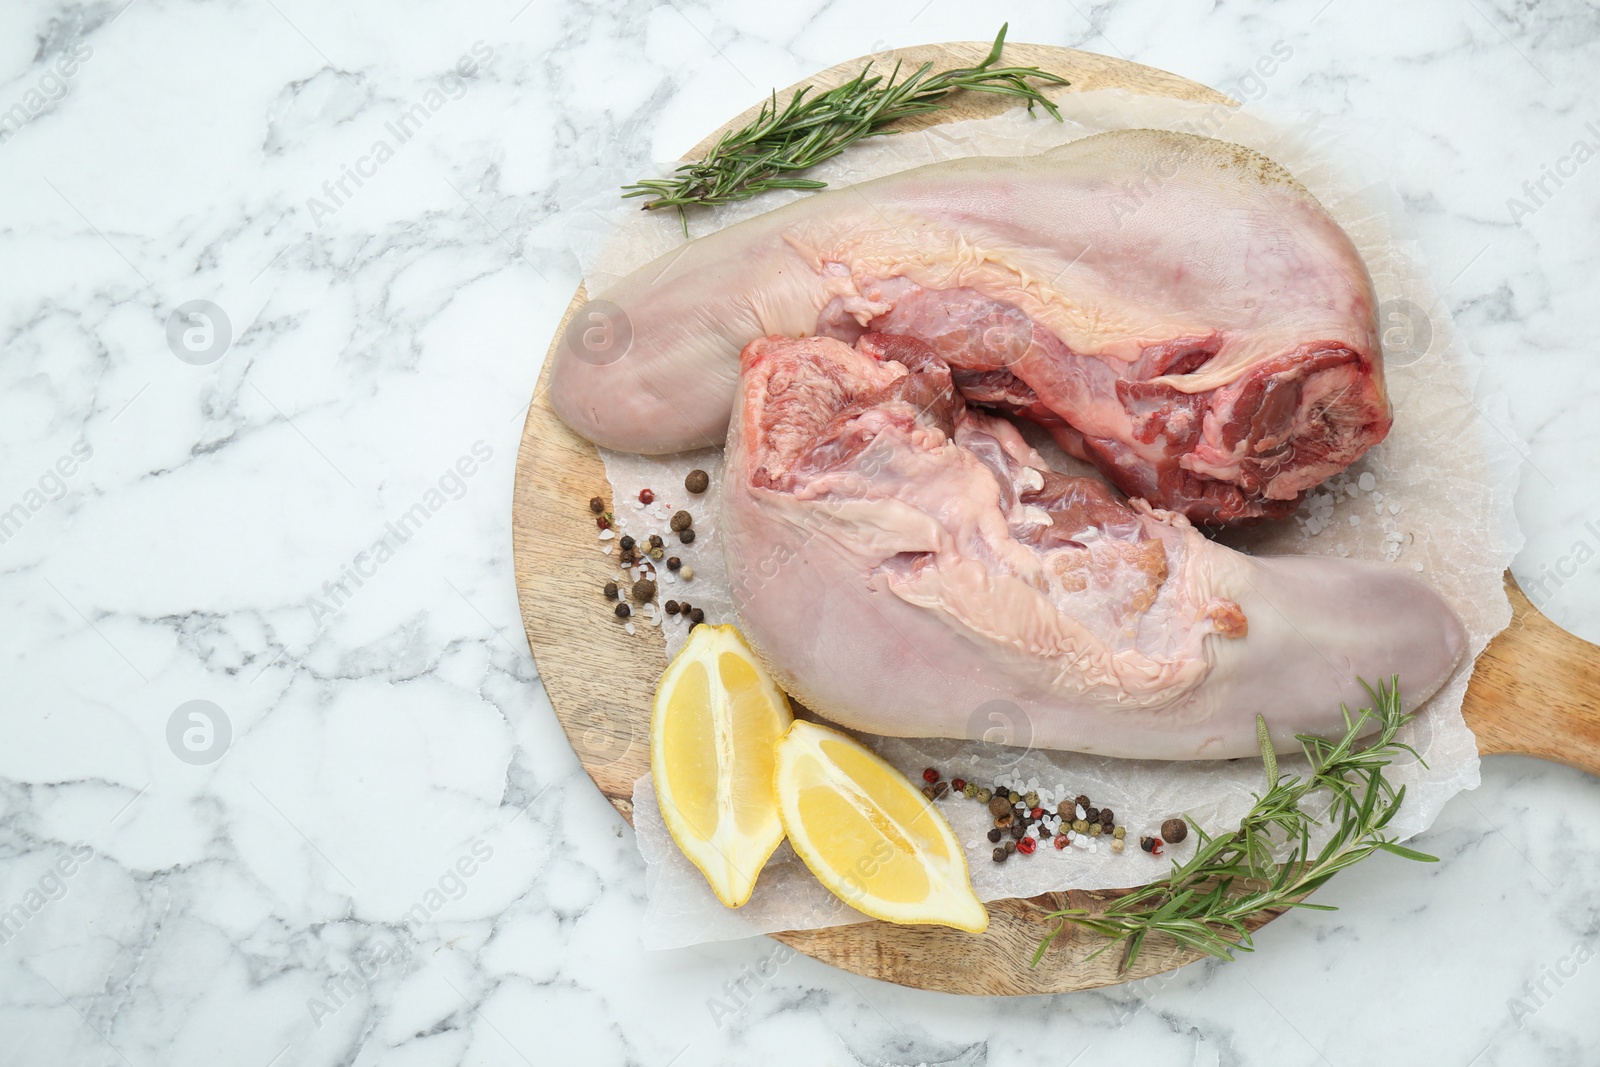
[1434,498]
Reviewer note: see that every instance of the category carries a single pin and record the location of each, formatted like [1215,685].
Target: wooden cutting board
[1536,689]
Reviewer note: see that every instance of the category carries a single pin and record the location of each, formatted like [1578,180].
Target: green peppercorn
[969,790]
[1119,832]
[984,795]
[1031,799]
[1081,826]
[686,536]
[697,481]
[681,520]
[657,553]
[1095,829]
[1013,796]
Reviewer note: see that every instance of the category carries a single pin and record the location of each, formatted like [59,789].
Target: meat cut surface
[902,560]
[1176,310]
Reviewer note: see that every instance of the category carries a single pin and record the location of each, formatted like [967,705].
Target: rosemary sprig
[1204,903]
[766,154]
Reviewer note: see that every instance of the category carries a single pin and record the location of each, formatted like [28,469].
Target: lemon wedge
[716,720]
[869,835]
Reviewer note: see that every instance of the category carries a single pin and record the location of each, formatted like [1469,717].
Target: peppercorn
[985,794]
[696,617]
[602,522]
[646,496]
[999,806]
[927,791]
[1000,855]
[1092,814]
[686,536]
[627,542]
[996,834]
[623,611]
[596,505]
[611,590]
[1095,829]
[1147,843]
[686,573]
[1061,841]
[969,791]
[1064,809]
[670,607]
[1119,832]
[1036,813]
[1044,832]
[697,481]
[958,784]
[655,541]
[1107,816]
[1080,827]
[657,552]
[1083,801]
[1018,829]
[941,790]
[681,520]
[644,589]
[930,775]
[1174,830]
[1031,799]
[1013,796]
[628,556]
[1011,846]
[1026,846]
[1005,820]
[673,563]
[1117,845]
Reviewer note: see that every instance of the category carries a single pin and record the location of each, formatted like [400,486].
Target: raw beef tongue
[1178,310]
[901,560]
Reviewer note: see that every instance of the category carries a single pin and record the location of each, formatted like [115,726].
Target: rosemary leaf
[1204,902]
[816,126]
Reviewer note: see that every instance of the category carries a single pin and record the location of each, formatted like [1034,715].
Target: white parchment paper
[1434,498]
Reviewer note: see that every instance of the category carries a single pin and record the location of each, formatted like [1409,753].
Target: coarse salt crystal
[607,549]
[1417,566]
[1368,482]
[1081,813]
[1377,498]
[606,535]
[629,627]
[1394,509]
[1355,520]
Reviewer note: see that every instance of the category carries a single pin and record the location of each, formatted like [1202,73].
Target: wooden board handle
[1538,693]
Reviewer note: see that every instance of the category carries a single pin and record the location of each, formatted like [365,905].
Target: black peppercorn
[670,607]
[656,542]
[611,590]
[686,536]
[623,611]
[1083,802]
[696,617]
[1147,843]
[1174,830]
[681,521]
[1092,814]
[995,834]
[673,563]
[1000,855]
[940,790]
[596,505]
[1108,817]
[1019,829]
[697,481]
[683,608]
[627,542]
[1011,846]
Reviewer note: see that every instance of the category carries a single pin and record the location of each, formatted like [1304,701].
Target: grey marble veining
[304,521]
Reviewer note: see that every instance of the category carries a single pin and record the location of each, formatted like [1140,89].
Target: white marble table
[392,856]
